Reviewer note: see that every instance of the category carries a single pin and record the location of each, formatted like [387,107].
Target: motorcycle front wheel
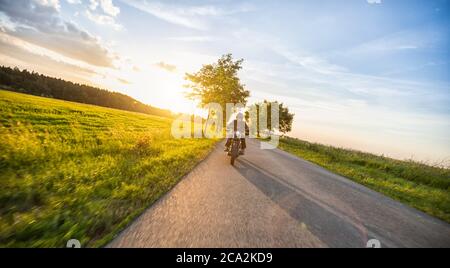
[234,152]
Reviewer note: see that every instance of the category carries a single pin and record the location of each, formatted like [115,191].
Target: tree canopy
[218,83]
[285,117]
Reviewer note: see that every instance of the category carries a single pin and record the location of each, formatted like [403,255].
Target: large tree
[218,83]
[285,117]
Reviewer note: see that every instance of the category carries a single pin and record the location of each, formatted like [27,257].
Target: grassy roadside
[71,170]
[421,186]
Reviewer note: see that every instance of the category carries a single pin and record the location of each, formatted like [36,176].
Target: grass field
[71,170]
[421,186]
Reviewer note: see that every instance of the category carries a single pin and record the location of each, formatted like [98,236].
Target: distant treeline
[40,85]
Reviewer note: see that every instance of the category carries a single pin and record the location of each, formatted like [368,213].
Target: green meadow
[70,170]
[422,186]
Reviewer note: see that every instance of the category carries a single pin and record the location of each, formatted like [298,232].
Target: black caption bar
[82,257]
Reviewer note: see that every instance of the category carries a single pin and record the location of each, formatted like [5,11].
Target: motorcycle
[235,147]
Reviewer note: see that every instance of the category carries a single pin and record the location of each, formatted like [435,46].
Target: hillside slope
[71,170]
[36,84]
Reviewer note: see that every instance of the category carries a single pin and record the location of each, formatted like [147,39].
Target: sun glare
[154,86]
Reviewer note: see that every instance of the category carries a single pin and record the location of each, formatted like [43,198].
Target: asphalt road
[273,199]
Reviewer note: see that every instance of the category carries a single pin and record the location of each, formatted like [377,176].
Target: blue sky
[365,74]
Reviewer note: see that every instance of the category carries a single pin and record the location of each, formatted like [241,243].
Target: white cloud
[74,2]
[40,23]
[374,1]
[408,40]
[107,17]
[166,66]
[103,20]
[193,38]
[312,78]
[16,52]
[194,17]
[6,25]
[93,4]
[49,3]
[107,6]
[170,14]
[301,58]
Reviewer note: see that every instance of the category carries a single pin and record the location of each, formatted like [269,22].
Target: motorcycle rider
[233,125]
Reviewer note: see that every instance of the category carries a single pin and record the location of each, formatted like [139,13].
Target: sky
[371,75]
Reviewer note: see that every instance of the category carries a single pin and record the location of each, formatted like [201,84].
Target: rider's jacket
[241,127]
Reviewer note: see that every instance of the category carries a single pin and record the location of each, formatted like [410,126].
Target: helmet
[240,116]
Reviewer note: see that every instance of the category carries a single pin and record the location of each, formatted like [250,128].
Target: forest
[33,83]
